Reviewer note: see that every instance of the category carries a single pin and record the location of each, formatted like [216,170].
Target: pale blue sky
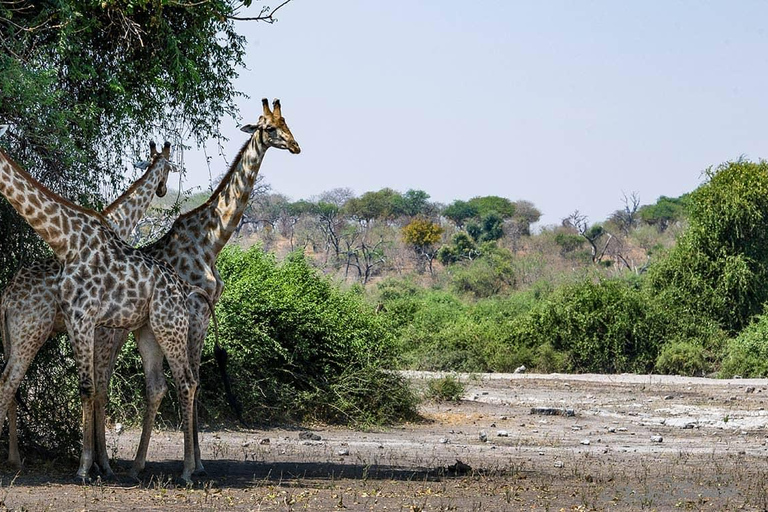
[567,104]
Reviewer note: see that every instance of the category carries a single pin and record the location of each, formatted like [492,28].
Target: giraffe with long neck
[191,247]
[29,313]
[103,282]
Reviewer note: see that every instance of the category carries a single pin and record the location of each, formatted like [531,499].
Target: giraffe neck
[218,218]
[53,218]
[127,210]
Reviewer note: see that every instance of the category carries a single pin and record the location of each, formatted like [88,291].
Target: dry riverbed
[515,442]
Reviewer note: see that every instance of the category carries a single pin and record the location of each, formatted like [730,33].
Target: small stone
[493,425]
[343,452]
[688,426]
[483,436]
[541,453]
[520,369]
[656,439]
[737,376]
[502,418]
[246,444]
[575,427]
[502,433]
[559,464]
[622,429]
[443,440]
[611,429]
[585,442]
[668,397]
[118,428]
[750,389]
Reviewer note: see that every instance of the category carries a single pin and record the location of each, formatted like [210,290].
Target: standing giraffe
[103,282]
[191,246]
[29,313]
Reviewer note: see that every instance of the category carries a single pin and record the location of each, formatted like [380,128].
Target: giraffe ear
[248,128]
[3,128]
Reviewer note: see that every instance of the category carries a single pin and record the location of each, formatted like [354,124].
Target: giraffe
[191,247]
[103,282]
[29,313]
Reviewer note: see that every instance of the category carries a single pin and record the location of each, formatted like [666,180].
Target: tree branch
[266,15]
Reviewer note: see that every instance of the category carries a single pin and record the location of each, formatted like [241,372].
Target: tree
[487,204]
[83,83]
[599,239]
[665,212]
[459,212]
[423,236]
[412,203]
[525,215]
[382,204]
[719,267]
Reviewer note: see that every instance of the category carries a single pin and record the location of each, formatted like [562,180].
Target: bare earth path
[633,443]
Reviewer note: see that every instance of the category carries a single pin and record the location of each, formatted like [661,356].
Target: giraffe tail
[221,356]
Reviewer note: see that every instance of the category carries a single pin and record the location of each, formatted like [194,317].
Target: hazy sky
[567,104]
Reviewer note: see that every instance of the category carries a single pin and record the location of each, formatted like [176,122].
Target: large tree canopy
[84,83]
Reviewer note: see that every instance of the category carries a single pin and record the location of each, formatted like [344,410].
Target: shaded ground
[633,443]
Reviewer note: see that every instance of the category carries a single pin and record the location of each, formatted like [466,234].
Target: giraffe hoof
[83,479]
[183,481]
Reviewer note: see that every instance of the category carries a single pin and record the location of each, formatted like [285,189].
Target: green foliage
[445,389]
[301,348]
[461,248]
[682,358]
[485,276]
[487,204]
[747,354]
[608,326]
[569,242]
[460,211]
[383,204]
[719,268]
[663,213]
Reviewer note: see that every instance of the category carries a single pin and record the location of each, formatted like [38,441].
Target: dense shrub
[682,358]
[747,354]
[719,268]
[606,326]
[301,348]
[446,389]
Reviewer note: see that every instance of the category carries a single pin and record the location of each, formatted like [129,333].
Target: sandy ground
[633,442]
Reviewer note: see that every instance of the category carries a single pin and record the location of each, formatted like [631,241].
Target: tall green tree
[719,267]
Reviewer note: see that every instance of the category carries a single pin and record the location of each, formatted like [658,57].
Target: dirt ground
[627,442]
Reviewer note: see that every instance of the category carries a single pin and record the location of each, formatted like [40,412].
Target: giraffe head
[272,128]
[162,160]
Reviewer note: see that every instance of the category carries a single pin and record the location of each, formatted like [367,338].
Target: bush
[682,358]
[719,268]
[747,354]
[446,389]
[300,348]
[606,326]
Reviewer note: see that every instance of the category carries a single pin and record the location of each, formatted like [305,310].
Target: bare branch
[266,15]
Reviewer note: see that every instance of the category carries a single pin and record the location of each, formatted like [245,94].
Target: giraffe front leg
[108,343]
[156,388]
[81,332]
